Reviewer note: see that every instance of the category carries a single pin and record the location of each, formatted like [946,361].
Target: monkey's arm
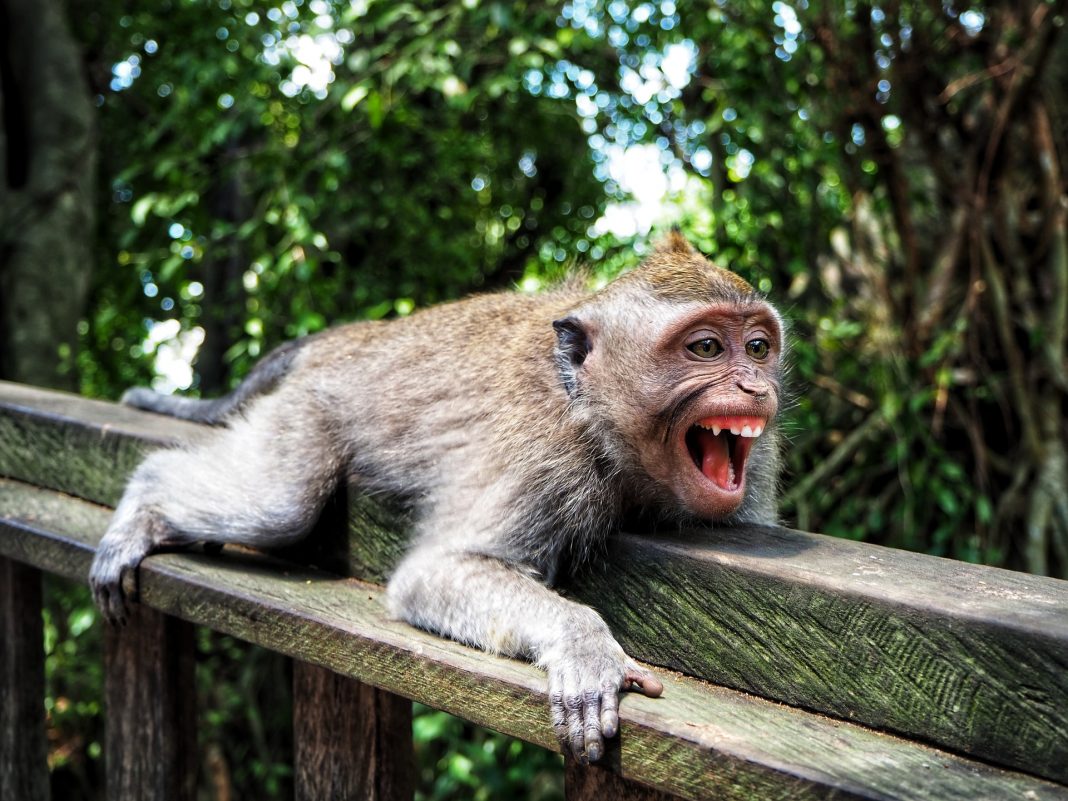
[482,601]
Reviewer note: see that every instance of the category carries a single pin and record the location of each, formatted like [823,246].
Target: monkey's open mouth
[720,445]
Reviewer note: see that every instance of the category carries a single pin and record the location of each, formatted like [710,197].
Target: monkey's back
[457,407]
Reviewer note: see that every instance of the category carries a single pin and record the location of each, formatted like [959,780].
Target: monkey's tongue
[716,461]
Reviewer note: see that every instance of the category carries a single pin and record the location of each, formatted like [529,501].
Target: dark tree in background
[973,258]
[47,171]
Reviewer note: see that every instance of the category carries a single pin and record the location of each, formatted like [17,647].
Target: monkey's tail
[211,412]
[263,378]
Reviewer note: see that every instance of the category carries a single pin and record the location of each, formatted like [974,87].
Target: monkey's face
[714,391]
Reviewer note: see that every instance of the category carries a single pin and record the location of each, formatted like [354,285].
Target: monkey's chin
[707,500]
[717,449]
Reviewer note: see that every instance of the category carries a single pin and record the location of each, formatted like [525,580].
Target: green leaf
[353,97]
[139,211]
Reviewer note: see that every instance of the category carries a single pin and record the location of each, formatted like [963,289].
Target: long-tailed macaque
[520,428]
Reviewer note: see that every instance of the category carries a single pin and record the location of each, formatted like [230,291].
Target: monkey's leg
[481,601]
[261,482]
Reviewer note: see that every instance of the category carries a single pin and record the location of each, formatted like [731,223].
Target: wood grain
[352,741]
[697,741]
[150,698]
[969,657]
[596,783]
[23,749]
[82,447]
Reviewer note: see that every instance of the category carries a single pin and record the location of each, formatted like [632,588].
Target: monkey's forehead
[685,279]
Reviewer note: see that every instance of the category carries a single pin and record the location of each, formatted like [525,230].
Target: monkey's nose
[756,388]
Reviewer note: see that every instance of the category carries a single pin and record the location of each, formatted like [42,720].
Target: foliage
[74,681]
[461,761]
[261,206]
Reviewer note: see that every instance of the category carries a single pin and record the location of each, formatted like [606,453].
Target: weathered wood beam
[697,741]
[351,740]
[970,658]
[23,749]
[150,698]
[596,783]
[75,445]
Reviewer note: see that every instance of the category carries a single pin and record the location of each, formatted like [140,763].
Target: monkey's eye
[758,348]
[706,348]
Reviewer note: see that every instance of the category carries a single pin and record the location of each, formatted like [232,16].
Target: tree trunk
[47,173]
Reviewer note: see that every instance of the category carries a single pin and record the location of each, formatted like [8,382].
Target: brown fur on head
[676,271]
[679,363]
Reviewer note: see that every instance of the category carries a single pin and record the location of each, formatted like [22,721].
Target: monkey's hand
[586,675]
[482,601]
[116,556]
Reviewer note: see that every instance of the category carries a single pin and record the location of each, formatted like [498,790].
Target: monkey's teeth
[746,426]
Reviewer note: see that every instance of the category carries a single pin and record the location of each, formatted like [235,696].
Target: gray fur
[263,378]
[462,410]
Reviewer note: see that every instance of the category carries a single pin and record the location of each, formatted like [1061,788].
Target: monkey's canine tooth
[716,430]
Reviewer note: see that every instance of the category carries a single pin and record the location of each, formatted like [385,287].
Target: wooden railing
[814,667]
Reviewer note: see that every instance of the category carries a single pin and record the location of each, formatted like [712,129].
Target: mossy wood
[697,741]
[971,658]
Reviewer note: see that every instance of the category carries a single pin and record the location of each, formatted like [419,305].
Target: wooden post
[151,708]
[23,748]
[351,740]
[592,783]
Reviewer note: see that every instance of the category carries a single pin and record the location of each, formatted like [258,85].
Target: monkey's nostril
[759,390]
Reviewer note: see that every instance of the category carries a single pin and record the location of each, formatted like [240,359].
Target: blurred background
[187,183]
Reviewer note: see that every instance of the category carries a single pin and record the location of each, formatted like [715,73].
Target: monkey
[521,430]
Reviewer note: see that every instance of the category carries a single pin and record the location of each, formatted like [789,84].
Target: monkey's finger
[609,709]
[575,730]
[110,604]
[98,599]
[591,724]
[118,605]
[558,714]
[646,683]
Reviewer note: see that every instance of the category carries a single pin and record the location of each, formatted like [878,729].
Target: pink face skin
[718,373]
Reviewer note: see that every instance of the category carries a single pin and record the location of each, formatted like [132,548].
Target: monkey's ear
[573,345]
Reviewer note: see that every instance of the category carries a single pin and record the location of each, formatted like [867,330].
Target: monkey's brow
[758,315]
[670,415]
